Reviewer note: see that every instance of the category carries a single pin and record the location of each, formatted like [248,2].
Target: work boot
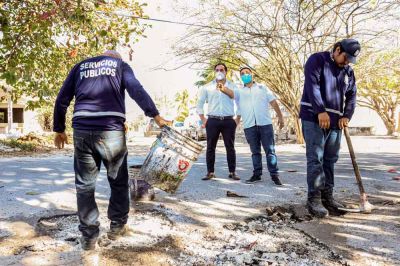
[234,176]
[276,180]
[88,243]
[315,207]
[208,176]
[331,204]
[116,232]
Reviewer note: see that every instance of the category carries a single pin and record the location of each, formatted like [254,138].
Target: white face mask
[219,76]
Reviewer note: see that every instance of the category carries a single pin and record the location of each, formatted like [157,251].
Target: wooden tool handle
[353,160]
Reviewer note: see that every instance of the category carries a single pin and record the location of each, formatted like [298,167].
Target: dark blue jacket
[327,88]
[99,85]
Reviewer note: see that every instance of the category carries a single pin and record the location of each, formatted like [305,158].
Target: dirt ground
[159,240]
[160,236]
[200,225]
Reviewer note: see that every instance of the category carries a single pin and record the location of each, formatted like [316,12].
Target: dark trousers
[91,149]
[322,151]
[227,128]
[258,136]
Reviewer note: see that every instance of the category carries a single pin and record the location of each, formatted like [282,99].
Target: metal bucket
[170,159]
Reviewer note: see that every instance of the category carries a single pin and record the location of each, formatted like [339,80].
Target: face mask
[246,78]
[219,75]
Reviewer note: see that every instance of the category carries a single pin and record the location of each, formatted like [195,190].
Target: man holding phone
[219,95]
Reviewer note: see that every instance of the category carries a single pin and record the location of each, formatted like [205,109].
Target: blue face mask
[246,78]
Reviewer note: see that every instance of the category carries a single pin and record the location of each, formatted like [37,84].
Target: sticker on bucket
[170,159]
[183,165]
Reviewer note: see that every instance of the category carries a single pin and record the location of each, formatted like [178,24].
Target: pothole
[271,239]
[157,239]
[61,227]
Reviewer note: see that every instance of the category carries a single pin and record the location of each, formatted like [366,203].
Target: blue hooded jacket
[98,85]
[327,88]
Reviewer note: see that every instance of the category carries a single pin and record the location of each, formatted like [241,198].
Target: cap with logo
[352,49]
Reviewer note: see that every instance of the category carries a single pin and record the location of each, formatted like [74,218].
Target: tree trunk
[389,121]
[294,116]
[299,132]
[390,126]
[387,114]
[398,124]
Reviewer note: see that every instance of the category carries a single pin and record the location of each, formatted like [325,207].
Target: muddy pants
[91,149]
[322,150]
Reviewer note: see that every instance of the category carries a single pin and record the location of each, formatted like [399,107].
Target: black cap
[352,49]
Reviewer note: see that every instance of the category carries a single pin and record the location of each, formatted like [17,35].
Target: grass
[23,145]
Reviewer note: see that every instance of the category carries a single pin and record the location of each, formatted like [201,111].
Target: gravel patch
[155,238]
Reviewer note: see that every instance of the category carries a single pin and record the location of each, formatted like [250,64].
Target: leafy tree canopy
[41,40]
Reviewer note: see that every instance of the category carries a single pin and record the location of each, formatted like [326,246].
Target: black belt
[220,117]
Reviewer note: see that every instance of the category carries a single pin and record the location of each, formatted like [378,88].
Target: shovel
[365,206]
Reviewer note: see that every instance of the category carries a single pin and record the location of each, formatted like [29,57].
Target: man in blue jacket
[327,105]
[98,85]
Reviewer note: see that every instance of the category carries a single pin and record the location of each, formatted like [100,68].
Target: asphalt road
[31,187]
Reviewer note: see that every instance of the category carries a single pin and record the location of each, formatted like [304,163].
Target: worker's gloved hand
[343,122]
[60,139]
[324,120]
[161,122]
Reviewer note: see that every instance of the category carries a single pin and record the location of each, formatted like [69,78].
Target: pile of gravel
[259,241]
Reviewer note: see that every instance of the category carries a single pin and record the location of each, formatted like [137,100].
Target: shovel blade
[366,207]
[349,210]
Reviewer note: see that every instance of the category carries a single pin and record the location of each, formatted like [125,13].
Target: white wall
[366,117]
[31,123]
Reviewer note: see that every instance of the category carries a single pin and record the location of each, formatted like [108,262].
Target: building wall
[31,122]
[28,123]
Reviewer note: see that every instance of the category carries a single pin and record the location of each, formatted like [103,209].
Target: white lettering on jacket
[104,67]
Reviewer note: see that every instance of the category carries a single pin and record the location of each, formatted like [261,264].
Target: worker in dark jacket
[98,85]
[327,105]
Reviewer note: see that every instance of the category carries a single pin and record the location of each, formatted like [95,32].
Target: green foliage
[227,55]
[23,145]
[40,41]
[45,118]
[182,103]
[378,84]
[378,74]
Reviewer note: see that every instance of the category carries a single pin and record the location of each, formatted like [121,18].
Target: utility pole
[9,110]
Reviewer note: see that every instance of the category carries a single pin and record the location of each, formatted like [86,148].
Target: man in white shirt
[253,101]
[219,95]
